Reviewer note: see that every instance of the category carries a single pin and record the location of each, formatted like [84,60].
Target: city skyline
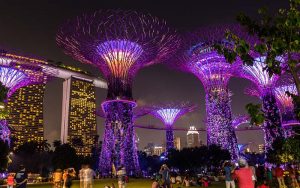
[162,83]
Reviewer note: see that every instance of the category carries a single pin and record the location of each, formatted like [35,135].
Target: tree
[64,156]
[4,151]
[33,155]
[276,36]
[198,158]
[284,151]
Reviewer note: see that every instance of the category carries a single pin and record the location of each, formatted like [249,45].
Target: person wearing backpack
[165,173]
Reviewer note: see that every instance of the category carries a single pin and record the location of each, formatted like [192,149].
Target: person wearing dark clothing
[21,178]
[165,173]
[69,179]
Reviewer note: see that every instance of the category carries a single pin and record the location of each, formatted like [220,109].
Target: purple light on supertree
[13,79]
[239,120]
[287,107]
[4,131]
[168,114]
[200,58]
[118,43]
[130,155]
[265,84]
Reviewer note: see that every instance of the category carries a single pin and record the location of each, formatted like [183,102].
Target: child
[10,180]
[155,184]
[204,181]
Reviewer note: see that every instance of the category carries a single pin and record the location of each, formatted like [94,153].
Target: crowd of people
[241,173]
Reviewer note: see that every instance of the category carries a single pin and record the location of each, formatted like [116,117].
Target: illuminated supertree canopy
[239,120]
[286,103]
[168,114]
[119,43]
[200,58]
[19,71]
[264,87]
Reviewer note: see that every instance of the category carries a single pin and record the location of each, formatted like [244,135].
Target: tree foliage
[194,159]
[4,151]
[64,156]
[277,35]
[255,113]
[284,151]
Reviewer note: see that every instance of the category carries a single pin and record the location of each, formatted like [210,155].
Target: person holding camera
[165,173]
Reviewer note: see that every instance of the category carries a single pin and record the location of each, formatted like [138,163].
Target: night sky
[31,26]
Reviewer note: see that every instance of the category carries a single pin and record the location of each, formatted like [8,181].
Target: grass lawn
[134,183]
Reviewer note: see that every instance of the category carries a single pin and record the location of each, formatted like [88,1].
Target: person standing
[81,174]
[292,174]
[121,173]
[88,176]
[57,178]
[22,177]
[279,175]
[64,177]
[244,175]
[228,169]
[165,173]
[69,179]
[10,180]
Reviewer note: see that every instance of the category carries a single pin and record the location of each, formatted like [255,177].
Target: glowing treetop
[285,101]
[203,60]
[19,71]
[170,113]
[119,43]
[259,75]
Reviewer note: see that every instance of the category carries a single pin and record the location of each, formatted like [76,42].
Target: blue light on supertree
[168,114]
[118,43]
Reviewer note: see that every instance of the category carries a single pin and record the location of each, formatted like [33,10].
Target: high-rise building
[26,114]
[149,149]
[193,138]
[177,143]
[158,150]
[261,148]
[78,115]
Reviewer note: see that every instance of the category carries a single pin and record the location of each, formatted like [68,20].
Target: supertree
[200,58]
[118,43]
[168,114]
[264,87]
[287,107]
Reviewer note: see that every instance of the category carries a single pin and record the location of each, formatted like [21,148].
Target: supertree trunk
[272,125]
[219,122]
[105,161]
[169,138]
[131,157]
[118,120]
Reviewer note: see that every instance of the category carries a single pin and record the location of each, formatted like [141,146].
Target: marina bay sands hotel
[78,122]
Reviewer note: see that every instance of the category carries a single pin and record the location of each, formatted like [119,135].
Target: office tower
[26,114]
[78,115]
[193,138]
[177,143]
